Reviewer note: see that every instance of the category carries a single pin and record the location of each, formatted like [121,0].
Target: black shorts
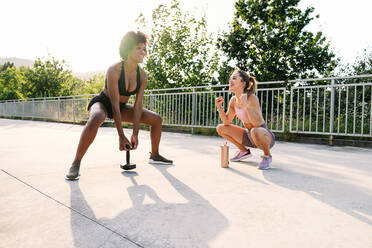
[105,100]
[248,141]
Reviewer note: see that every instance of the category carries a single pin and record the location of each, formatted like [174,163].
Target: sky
[87,33]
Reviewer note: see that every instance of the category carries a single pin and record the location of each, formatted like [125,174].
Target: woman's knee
[96,120]
[157,120]
[256,133]
[259,135]
[221,129]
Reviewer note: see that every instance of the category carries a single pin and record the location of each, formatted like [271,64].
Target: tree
[180,52]
[363,63]
[6,65]
[48,77]
[268,39]
[92,85]
[11,80]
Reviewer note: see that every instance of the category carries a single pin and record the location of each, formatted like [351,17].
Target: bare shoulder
[143,78]
[253,100]
[114,70]
[143,74]
[232,101]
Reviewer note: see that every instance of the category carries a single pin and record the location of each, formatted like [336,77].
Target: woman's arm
[226,118]
[113,92]
[138,108]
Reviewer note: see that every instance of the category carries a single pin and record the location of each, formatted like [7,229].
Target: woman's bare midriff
[251,125]
[122,99]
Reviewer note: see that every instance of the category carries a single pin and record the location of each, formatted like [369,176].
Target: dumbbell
[128,165]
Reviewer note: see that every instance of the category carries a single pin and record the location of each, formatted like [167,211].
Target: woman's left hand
[134,140]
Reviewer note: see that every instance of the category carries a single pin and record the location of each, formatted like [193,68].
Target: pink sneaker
[240,155]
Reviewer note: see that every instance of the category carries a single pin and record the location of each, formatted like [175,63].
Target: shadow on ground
[161,224]
[350,199]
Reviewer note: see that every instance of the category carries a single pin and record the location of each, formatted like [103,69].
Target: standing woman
[245,105]
[123,79]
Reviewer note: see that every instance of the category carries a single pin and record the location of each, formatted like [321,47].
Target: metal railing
[330,106]
[342,106]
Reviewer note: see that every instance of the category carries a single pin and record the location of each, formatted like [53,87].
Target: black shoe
[73,173]
[158,159]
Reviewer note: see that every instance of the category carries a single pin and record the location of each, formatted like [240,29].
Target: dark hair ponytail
[250,82]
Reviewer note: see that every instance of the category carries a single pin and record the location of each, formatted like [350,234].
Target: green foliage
[48,77]
[362,64]
[11,80]
[180,53]
[269,40]
[93,85]
[6,66]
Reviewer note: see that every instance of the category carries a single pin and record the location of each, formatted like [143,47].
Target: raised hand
[219,101]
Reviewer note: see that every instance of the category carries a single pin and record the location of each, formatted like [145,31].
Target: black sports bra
[121,82]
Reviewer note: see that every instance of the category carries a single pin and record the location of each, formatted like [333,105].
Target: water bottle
[224,155]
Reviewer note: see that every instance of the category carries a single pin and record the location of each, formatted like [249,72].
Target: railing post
[151,101]
[45,109]
[33,109]
[23,109]
[59,109]
[284,108]
[290,112]
[193,116]
[331,119]
[73,109]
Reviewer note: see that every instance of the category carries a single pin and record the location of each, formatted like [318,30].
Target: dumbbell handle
[128,153]
[128,157]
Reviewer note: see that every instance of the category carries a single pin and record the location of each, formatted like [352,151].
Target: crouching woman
[245,105]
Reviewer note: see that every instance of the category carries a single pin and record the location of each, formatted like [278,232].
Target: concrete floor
[314,196]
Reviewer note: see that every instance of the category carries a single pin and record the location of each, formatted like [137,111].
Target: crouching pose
[123,79]
[245,105]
